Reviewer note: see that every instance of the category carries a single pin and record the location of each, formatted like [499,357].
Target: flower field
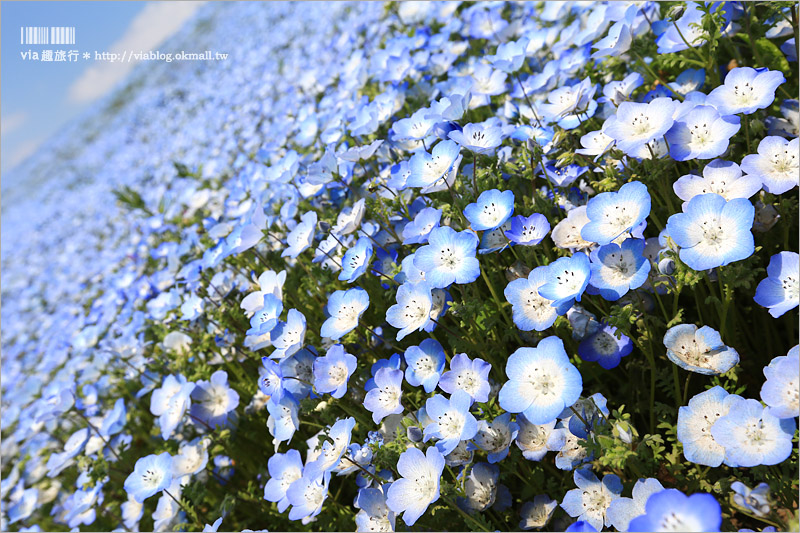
[429,266]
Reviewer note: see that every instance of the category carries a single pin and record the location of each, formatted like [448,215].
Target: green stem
[676,383]
[450,503]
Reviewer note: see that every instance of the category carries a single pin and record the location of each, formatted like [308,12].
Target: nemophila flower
[490,210]
[637,124]
[595,143]
[695,422]
[780,290]
[776,164]
[75,444]
[284,469]
[478,138]
[213,400]
[685,32]
[567,279]
[616,268]
[349,218]
[414,128]
[494,240]
[486,82]
[288,337]
[356,260]
[565,103]
[619,38]
[604,347]
[789,124]
[622,510]
[373,514]
[270,379]
[345,308]
[567,233]
[689,80]
[427,169]
[413,308]
[24,506]
[535,440]
[151,474]
[719,177]
[701,133]
[170,402]
[384,399]
[745,90]
[528,231]
[592,411]
[418,230]
[418,486]
[333,448]
[752,436]
[266,317]
[699,350]
[332,371]
[781,391]
[510,55]
[672,510]
[712,232]
[470,376]
[306,496]
[301,367]
[562,176]
[192,457]
[496,437]
[480,488]
[542,382]
[392,363]
[753,500]
[451,420]
[581,525]
[301,236]
[536,514]
[613,213]
[449,257]
[591,499]
[424,364]
[283,418]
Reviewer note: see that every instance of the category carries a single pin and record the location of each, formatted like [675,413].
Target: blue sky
[40,97]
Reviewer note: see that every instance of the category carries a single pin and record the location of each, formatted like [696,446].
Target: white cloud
[21,152]
[151,27]
[12,122]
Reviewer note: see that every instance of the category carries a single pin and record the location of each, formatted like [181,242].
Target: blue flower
[332,371]
[719,177]
[384,399]
[591,499]
[567,279]
[542,382]
[332,449]
[604,347]
[150,475]
[528,231]
[426,169]
[418,230]
[752,436]
[270,379]
[699,350]
[613,213]
[490,210]
[424,364]
[356,260]
[288,337]
[695,422]
[510,55]
[413,308]
[712,232]
[284,469]
[345,309]
[689,80]
[745,91]
[637,124]
[213,400]
[701,133]
[672,510]
[536,514]
[266,318]
[478,138]
[302,236]
[469,376]
[535,440]
[373,514]
[170,402]
[780,290]
[755,501]
[418,486]
[530,310]
[776,164]
[451,421]
[566,102]
[623,510]
[306,495]
[616,269]
[299,366]
[686,32]
[496,437]
[449,257]
[563,176]
[780,391]
[581,526]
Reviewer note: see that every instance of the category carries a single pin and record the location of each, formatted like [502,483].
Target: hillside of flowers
[417,266]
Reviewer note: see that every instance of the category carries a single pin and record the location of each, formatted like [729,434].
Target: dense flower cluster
[442,265]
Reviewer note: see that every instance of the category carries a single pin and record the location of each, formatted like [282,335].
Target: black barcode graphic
[47,35]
